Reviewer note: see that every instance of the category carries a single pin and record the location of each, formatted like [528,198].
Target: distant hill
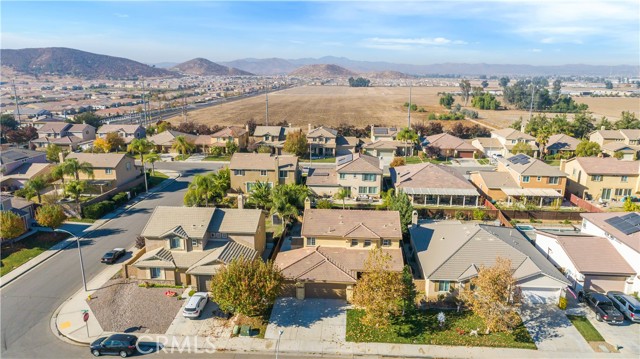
[322,71]
[204,67]
[64,61]
[272,66]
[387,75]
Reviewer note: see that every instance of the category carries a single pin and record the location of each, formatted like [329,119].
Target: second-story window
[263,173]
[386,243]
[284,174]
[367,243]
[194,242]
[343,176]
[624,179]
[107,171]
[596,178]
[554,180]
[525,179]
[238,172]
[175,242]
[368,177]
[311,241]
[354,243]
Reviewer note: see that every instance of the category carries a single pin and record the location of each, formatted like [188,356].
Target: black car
[603,308]
[113,255]
[117,344]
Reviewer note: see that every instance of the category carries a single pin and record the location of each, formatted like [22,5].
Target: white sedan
[195,305]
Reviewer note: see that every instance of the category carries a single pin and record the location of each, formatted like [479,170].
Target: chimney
[414,218]
[61,156]
[307,203]
[563,163]
[602,128]
[240,201]
[309,128]
[372,126]
[277,168]
[246,127]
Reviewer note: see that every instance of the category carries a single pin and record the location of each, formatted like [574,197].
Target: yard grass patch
[483,161]
[81,220]
[423,328]
[586,329]
[224,158]
[320,160]
[28,248]
[157,178]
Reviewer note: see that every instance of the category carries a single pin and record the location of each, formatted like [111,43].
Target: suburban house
[273,136]
[328,259]
[490,147]
[110,170]
[521,178]
[68,136]
[590,263]
[347,145]
[509,137]
[451,146]
[236,134]
[562,144]
[20,165]
[360,174]
[249,168]
[623,233]
[449,254]
[385,150]
[434,185]
[127,132]
[383,133]
[20,206]
[164,140]
[625,142]
[188,245]
[322,141]
[602,178]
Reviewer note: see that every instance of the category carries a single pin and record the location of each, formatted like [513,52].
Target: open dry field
[332,105]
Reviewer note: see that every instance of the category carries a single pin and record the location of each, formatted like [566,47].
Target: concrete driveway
[625,336]
[309,320]
[551,330]
[204,326]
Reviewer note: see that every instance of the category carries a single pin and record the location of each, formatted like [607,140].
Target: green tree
[115,141]
[37,184]
[409,137]
[207,188]
[587,148]
[582,125]
[485,84]
[76,189]
[73,166]
[53,153]
[50,215]
[379,291]
[231,147]
[247,287]
[141,146]
[409,291]
[11,226]
[324,204]
[629,206]
[264,149]
[287,200]
[8,122]
[182,145]
[342,194]
[465,88]
[627,121]
[604,124]
[402,203]
[152,158]
[542,137]
[260,195]
[522,147]
[608,84]
[504,82]
[447,100]
[89,118]
[296,143]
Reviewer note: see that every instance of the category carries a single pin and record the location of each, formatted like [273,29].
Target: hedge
[97,210]
[120,198]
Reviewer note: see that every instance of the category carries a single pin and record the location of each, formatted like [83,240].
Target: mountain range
[204,67]
[322,71]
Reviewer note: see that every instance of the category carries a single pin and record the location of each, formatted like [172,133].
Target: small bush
[97,210]
[324,204]
[562,304]
[120,198]
[479,215]
[192,292]
[460,215]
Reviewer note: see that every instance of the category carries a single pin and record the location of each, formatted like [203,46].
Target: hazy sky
[524,32]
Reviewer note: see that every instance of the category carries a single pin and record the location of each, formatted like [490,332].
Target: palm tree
[37,184]
[58,172]
[203,188]
[543,138]
[281,204]
[76,188]
[141,146]
[407,135]
[182,145]
[260,194]
[73,166]
[153,158]
[343,193]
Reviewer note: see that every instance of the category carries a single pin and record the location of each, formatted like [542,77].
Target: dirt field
[332,105]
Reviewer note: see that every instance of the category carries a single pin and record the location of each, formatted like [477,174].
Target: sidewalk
[16,273]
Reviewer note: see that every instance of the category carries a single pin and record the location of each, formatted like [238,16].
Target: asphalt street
[28,302]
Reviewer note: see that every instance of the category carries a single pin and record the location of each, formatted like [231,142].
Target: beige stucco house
[327,260]
[509,137]
[451,146]
[110,170]
[127,132]
[236,134]
[273,136]
[602,178]
[249,168]
[612,142]
[164,140]
[188,245]
[360,174]
[67,136]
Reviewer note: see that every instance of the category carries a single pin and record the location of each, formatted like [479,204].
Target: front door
[606,193]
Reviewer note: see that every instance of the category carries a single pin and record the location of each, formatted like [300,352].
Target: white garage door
[540,295]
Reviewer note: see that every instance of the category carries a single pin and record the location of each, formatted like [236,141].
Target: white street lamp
[84,279]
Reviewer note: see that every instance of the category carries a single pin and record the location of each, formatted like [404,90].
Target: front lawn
[586,329]
[423,328]
[224,158]
[156,179]
[320,160]
[553,162]
[81,220]
[28,248]
[483,161]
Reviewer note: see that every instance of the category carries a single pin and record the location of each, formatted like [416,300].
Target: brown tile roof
[262,161]
[56,127]
[360,163]
[445,141]
[322,177]
[322,131]
[115,128]
[384,145]
[619,146]
[167,137]
[80,127]
[512,134]
[497,180]
[607,166]
[99,160]
[598,219]
[344,223]
[203,140]
[592,255]
[231,131]
[487,142]
[428,175]
[529,166]
[610,134]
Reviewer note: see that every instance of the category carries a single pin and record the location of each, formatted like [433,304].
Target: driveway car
[113,255]
[626,304]
[195,305]
[603,308]
[117,344]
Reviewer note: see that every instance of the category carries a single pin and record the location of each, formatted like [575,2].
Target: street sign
[85,317]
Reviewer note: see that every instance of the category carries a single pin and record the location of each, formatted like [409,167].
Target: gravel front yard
[123,306]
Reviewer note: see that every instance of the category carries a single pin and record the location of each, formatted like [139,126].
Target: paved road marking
[65,325]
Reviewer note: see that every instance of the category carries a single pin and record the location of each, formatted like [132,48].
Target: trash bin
[245,331]
[236,329]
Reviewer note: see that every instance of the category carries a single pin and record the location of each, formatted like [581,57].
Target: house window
[525,179]
[573,172]
[373,190]
[623,192]
[624,179]
[223,235]
[386,243]
[311,241]
[194,242]
[128,166]
[263,173]
[343,176]
[443,286]
[596,178]
[155,273]
[513,141]
[175,242]
[368,177]
[238,172]
[367,243]
[539,178]
[284,174]
[354,243]
[554,180]
[107,171]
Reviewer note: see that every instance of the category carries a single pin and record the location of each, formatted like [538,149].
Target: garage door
[204,283]
[604,284]
[465,154]
[540,296]
[325,290]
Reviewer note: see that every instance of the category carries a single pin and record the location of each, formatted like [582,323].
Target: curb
[72,240]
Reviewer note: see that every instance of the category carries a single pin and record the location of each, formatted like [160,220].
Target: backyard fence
[577,201]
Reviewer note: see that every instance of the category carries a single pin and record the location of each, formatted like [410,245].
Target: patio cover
[440,191]
[531,192]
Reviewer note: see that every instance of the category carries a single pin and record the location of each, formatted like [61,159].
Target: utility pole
[15,97]
[533,91]
[409,110]
[266,92]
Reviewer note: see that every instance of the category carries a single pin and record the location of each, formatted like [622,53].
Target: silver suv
[628,305]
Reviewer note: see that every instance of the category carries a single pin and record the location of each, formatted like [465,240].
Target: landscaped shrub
[97,210]
[562,304]
[120,198]
[460,215]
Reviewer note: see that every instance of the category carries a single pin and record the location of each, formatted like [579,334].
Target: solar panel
[632,218]
[380,130]
[627,224]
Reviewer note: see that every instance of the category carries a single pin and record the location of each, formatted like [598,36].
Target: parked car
[113,255]
[628,305]
[195,305]
[117,344]
[603,308]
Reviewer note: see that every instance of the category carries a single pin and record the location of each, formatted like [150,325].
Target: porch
[443,197]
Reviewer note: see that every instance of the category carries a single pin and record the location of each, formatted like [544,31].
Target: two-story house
[383,133]
[509,137]
[110,170]
[622,143]
[164,140]
[328,259]
[25,209]
[523,179]
[562,144]
[68,136]
[127,132]
[360,174]
[602,178]
[249,168]
[384,145]
[235,134]
[19,165]
[273,136]
[322,141]
[188,245]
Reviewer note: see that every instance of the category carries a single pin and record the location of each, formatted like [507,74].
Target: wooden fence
[577,201]
[106,195]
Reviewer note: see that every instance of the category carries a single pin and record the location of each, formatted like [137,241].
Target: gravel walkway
[122,306]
